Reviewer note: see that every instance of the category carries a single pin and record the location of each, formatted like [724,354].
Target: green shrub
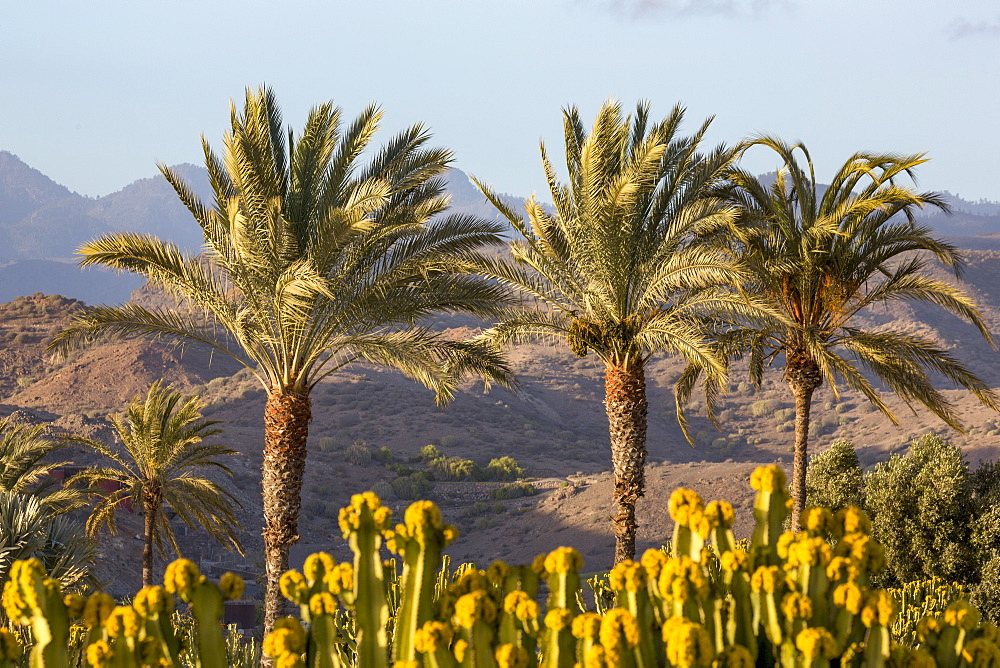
[834,478]
[513,491]
[455,469]
[764,407]
[383,490]
[784,415]
[384,456]
[429,453]
[504,468]
[326,444]
[448,441]
[359,454]
[412,487]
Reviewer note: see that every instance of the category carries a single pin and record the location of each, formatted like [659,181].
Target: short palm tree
[312,259]
[624,267]
[26,467]
[817,258]
[160,466]
[33,507]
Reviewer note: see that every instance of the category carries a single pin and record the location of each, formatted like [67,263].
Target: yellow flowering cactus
[420,541]
[787,599]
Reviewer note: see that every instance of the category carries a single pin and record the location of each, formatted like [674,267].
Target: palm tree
[817,257]
[160,467]
[26,467]
[623,267]
[33,520]
[313,260]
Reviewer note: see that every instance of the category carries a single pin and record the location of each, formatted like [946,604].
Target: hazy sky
[93,93]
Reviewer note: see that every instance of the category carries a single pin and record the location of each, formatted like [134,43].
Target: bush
[326,444]
[429,453]
[764,407]
[921,505]
[383,490]
[412,487]
[834,478]
[448,441]
[456,469]
[504,468]
[358,453]
[384,456]
[784,414]
[514,491]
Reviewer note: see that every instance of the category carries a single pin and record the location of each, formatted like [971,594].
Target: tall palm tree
[817,257]
[623,267]
[312,259]
[160,467]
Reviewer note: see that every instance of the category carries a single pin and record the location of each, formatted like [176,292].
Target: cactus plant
[791,599]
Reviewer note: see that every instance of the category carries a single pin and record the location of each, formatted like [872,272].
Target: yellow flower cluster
[123,622]
[461,646]
[558,618]
[231,586]
[587,625]
[843,569]
[99,654]
[317,565]
[322,603]
[340,579]
[688,644]
[720,513]
[817,520]
[879,608]
[422,520]
[796,606]
[153,600]
[653,561]
[473,607]
[431,637]
[849,596]
[683,504]
[734,560]
[851,520]
[286,643]
[181,578]
[75,603]
[627,576]
[22,592]
[864,551]
[682,579]
[816,643]
[97,609]
[511,656]
[563,560]
[770,478]
[806,551]
[294,587]
[595,658]
[767,579]
[619,633]
[521,605]
[367,502]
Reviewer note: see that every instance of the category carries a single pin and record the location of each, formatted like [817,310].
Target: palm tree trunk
[625,403]
[803,377]
[150,507]
[286,428]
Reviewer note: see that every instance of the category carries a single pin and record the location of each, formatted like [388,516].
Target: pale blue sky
[93,93]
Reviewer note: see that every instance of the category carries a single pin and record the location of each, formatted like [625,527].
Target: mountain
[42,223]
